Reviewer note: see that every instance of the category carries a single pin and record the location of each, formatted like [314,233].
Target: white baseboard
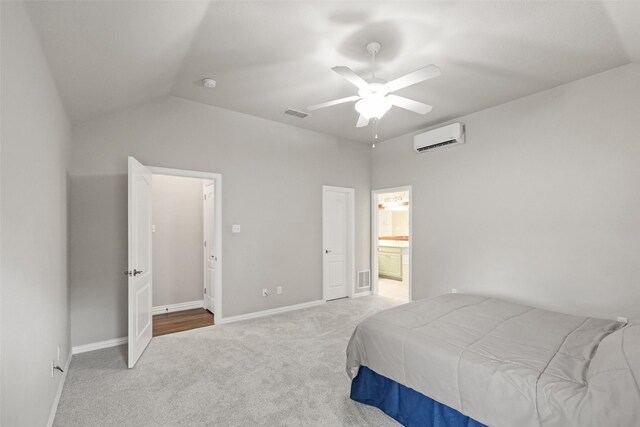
[119,341]
[177,307]
[361,294]
[123,340]
[54,406]
[99,345]
[269,312]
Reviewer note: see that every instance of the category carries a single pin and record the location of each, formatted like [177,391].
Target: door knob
[134,273]
[326,251]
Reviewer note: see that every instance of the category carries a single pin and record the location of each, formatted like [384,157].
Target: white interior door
[338,238]
[210,257]
[140,285]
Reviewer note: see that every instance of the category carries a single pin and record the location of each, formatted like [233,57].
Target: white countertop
[394,243]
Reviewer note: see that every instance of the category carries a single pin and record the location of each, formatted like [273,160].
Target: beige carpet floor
[281,370]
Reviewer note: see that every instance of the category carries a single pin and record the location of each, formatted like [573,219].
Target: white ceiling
[267,56]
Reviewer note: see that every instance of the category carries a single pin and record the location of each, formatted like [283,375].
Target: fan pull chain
[375,132]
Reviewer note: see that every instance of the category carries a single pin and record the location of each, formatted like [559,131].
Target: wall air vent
[440,137]
[364,279]
[295,113]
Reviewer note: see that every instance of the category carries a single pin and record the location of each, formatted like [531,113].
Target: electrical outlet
[279,290]
[265,292]
[622,319]
[454,291]
[58,353]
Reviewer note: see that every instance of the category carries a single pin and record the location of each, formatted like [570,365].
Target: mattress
[506,364]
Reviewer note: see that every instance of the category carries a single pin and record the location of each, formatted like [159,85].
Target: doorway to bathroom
[391,243]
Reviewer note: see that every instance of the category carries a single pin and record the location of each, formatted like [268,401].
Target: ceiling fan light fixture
[373,107]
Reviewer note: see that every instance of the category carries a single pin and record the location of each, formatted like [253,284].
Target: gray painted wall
[178,256]
[35,135]
[272,186]
[540,206]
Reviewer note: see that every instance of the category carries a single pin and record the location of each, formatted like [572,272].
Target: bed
[468,360]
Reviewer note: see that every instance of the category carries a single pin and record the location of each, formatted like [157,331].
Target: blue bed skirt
[403,404]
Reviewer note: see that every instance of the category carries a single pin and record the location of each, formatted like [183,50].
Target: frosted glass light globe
[373,106]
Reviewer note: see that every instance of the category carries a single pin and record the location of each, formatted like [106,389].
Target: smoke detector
[209,83]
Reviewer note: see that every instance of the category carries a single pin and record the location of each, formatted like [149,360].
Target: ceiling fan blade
[409,104]
[362,121]
[417,76]
[351,76]
[334,102]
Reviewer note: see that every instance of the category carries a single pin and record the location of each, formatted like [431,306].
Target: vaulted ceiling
[267,56]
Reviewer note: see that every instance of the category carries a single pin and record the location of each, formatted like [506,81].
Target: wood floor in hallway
[179,321]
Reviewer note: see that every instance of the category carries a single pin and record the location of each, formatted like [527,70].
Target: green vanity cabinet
[390,262]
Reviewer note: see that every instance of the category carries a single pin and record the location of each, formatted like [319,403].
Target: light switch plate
[235,228]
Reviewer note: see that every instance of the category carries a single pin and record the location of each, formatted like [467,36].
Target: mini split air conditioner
[441,137]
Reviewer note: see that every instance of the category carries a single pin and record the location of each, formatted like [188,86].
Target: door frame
[217,208]
[374,236]
[351,239]
[205,250]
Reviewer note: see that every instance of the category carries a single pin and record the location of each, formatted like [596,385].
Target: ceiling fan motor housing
[375,86]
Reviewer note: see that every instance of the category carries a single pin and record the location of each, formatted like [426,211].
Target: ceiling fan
[374,95]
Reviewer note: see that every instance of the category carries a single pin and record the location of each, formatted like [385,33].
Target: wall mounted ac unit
[441,137]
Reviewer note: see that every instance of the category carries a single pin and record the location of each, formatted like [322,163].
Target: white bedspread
[506,364]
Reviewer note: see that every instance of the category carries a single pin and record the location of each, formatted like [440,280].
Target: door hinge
[205,290]
[205,197]
[205,243]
